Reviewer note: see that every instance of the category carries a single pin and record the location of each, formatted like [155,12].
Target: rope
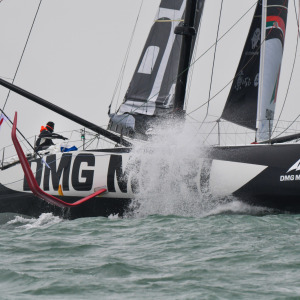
[192,68]
[20,132]
[210,131]
[287,128]
[213,66]
[232,78]
[121,75]
[2,110]
[194,62]
[23,51]
[6,78]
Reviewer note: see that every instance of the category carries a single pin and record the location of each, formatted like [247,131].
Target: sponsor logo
[122,175]
[242,81]
[75,174]
[295,167]
[78,173]
[292,177]
[255,38]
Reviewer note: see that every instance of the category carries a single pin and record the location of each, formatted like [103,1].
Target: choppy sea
[174,245]
[232,252]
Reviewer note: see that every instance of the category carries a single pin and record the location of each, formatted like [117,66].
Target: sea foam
[43,221]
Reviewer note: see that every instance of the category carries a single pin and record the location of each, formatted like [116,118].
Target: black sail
[241,105]
[150,95]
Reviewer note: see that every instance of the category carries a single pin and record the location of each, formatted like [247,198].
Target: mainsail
[252,98]
[151,91]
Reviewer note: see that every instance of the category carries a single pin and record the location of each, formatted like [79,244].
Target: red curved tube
[36,190]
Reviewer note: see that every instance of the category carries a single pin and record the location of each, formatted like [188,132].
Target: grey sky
[77,49]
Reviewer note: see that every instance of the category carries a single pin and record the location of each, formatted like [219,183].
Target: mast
[273,37]
[64,113]
[187,31]
[262,66]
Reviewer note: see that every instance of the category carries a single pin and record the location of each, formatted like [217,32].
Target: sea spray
[168,172]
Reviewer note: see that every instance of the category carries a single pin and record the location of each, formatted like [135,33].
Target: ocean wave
[43,221]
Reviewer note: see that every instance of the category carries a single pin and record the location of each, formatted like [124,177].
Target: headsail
[151,90]
[252,98]
[275,15]
[241,105]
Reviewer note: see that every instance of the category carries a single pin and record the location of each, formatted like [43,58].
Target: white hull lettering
[66,171]
[290,178]
[115,169]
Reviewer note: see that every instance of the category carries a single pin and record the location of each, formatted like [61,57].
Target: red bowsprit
[1,120]
[36,190]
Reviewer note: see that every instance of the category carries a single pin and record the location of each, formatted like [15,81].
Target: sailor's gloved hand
[64,138]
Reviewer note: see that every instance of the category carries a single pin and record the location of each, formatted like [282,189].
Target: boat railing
[224,133]
[80,139]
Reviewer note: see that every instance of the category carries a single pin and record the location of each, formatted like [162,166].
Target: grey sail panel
[151,91]
[146,84]
[241,105]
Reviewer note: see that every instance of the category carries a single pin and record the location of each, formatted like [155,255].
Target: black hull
[276,204]
[29,205]
[275,187]
[275,184]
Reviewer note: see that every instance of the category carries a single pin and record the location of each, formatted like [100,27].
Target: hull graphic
[262,175]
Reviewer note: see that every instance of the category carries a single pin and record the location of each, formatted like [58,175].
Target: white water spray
[168,173]
[173,176]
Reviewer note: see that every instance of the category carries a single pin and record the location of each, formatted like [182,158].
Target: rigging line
[121,75]
[286,128]
[20,133]
[213,66]
[292,72]
[208,49]
[226,32]
[7,78]
[191,72]
[192,68]
[23,51]
[194,62]
[210,133]
[89,143]
[127,54]
[222,89]
[207,122]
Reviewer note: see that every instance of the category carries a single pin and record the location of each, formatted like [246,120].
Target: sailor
[46,136]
